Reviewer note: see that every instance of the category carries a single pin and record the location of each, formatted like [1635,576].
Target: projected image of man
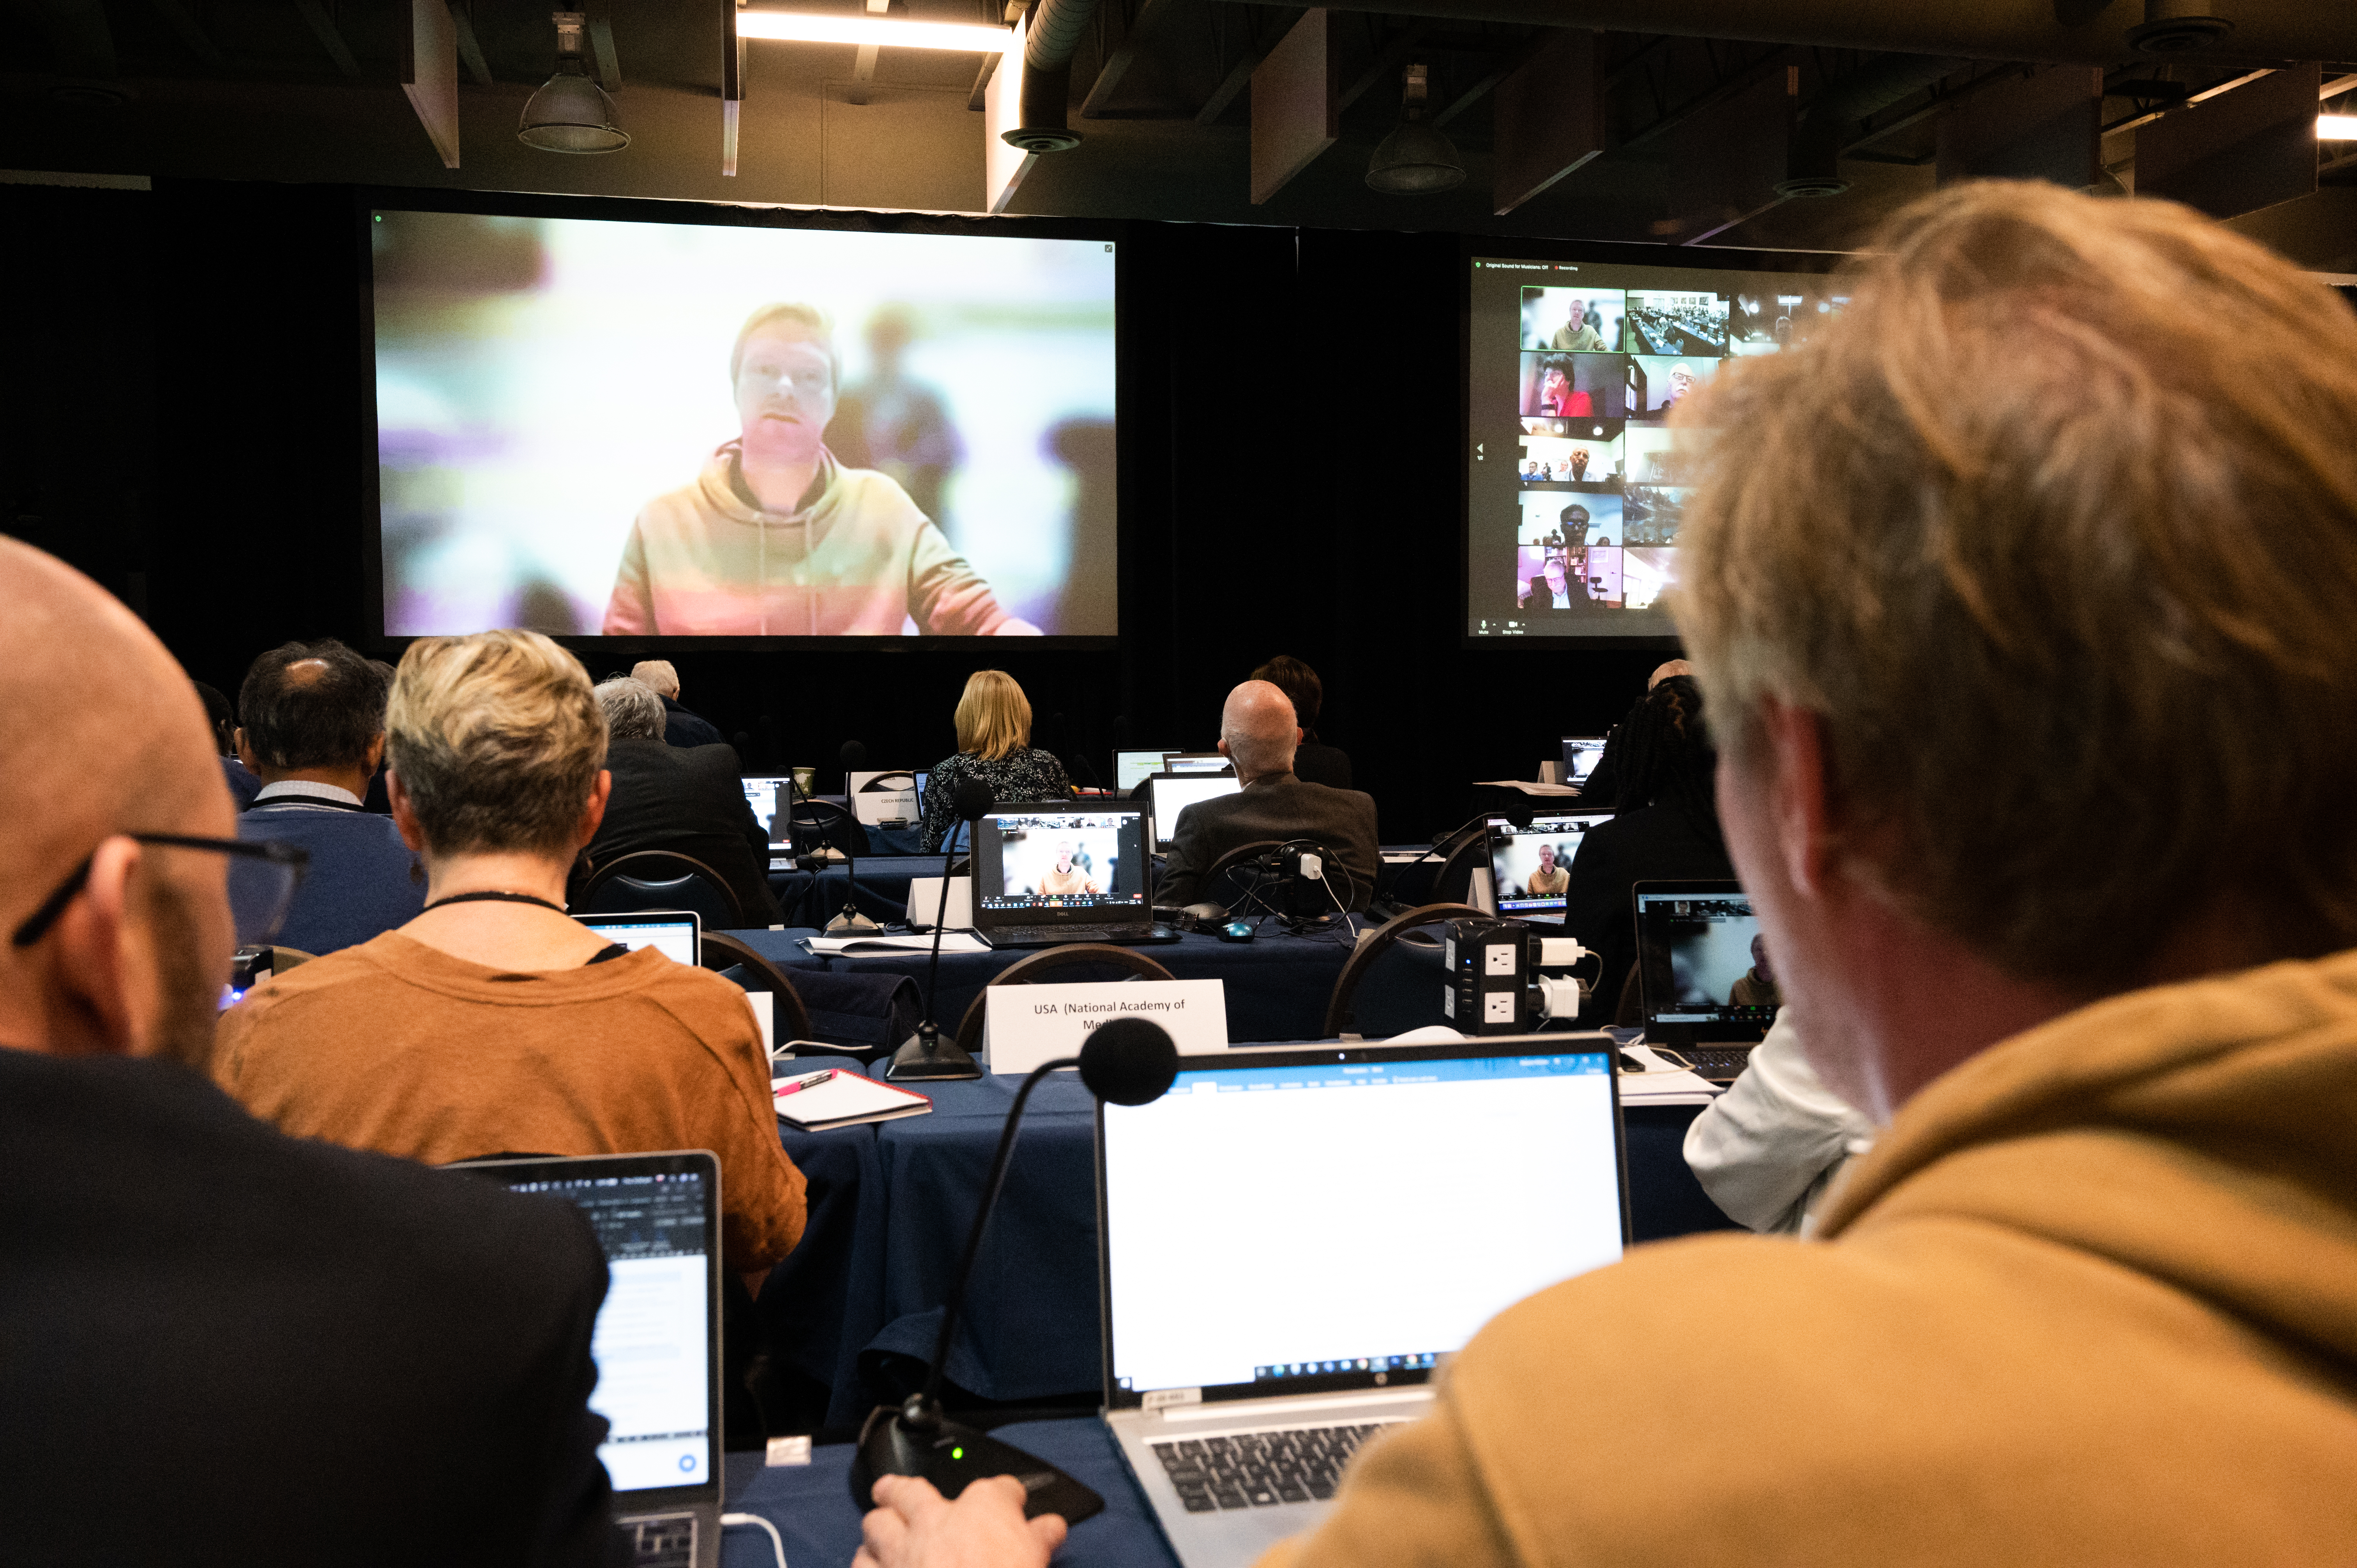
[776,538]
[1064,878]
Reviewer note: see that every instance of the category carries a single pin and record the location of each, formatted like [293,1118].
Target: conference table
[817,1522]
[857,1306]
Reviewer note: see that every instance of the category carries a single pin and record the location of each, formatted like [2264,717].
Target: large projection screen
[698,430]
[1576,483]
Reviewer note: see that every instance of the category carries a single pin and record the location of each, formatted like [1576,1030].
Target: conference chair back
[661,879]
[1377,993]
[731,958]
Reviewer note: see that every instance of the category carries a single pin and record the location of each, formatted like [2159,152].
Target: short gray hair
[632,710]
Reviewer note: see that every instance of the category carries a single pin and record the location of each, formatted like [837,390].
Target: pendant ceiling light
[1415,159]
[571,114]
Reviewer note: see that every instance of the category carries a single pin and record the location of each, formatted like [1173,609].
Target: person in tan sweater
[2025,600]
[492,1023]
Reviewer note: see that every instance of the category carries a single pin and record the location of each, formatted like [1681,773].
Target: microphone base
[951,1455]
[929,1057]
[851,921]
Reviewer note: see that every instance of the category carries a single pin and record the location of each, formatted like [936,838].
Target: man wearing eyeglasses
[222,1344]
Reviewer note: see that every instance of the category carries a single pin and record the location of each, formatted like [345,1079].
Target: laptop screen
[1173,795]
[1530,868]
[1581,753]
[1131,769]
[1196,762]
[1514,1184]
[1085,866]
[1702,963]
[656,1218]
[771,798]
[674,934]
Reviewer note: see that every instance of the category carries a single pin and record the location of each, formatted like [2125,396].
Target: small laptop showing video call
[771,797]
[1173,792]
[678,932]
[1062,871]
[1581,753]
[657,1338]
[1709,992]
[1530,868]
[1236,1424]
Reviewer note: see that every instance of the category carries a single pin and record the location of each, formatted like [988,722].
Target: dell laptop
[1702,966]
[1530,867]
[1246,1359]
[678,932]
[1173,792]
[771,797]
[1581,753]
[1062,871]
[657,1339]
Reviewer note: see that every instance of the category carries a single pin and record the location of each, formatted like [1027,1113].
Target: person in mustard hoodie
[776,538]
[2025,600]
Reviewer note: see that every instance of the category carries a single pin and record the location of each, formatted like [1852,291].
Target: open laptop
[1703,973]
[1530,868]
[771,797]
[1131,769]
[1173,792]
[1246,1361]
[1062,871]
[678,932]
[884,799]
[657,1341]
[1197,762]
[1581,753]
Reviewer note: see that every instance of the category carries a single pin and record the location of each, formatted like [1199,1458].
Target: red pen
[795,1086]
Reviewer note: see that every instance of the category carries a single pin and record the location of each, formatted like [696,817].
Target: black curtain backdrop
[185,383]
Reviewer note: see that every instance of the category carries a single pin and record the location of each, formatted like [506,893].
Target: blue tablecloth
[821,1305]
[814,897]
[811,1504]
[1276,986]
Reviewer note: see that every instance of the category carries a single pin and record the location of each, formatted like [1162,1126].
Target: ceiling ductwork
[2027,30]
[1055,31]
[1813,166]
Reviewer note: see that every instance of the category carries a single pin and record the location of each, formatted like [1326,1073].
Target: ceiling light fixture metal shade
[2177,28]
[1415,159]
[571,114]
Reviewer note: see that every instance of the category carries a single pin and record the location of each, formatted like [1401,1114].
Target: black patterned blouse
[1027,775]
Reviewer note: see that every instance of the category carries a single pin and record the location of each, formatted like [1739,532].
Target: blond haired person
[492,1023]
[2025,593]
[995,750]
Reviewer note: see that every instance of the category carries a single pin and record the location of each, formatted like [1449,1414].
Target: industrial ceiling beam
[323,28]
[193,36]
[470,48]
[1125,55]
[1239,76]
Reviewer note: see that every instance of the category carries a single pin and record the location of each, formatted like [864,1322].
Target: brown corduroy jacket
[2091,1299]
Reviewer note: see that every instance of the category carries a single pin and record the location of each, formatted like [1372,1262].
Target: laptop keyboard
[1055,935]
[1261,1469]
[667,1541]
[1721,1064]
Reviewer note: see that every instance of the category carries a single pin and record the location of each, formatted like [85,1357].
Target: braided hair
[1667,759]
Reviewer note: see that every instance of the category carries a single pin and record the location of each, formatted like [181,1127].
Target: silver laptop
[1175,791]
[1702,969]
[1237,1423]
[678,932]
[657,1341]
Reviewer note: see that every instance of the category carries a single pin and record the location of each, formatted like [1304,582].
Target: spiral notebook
[846,1099]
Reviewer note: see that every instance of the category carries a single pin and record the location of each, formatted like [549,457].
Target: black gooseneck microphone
[925,1055]
[1125,1061]
[854,757]
[1519,814]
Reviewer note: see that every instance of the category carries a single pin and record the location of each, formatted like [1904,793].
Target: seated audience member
[2045,810]
[243,785]
[680,727]
[994,750]
[314,734]
[224,1345]
[1256,732]
[1666,829]
[491,1024]
[1603,784]
[684,798]
[1314,761]
[1767,1150]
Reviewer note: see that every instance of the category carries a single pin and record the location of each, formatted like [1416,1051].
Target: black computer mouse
[1236,931]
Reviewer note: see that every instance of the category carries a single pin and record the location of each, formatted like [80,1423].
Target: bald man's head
[1258,730]
[1675,667]
[131,753]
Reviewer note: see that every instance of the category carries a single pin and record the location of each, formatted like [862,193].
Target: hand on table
[914,1526]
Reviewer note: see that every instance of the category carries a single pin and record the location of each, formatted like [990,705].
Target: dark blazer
[362,880]
[1279,807]
[1314,762]
[1656,843]
[687,800]
[683,729]
[223,1345]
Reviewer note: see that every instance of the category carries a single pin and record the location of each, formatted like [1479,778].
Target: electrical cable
[777,1542]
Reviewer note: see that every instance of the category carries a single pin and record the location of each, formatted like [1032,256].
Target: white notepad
[846,1099]
[951,941]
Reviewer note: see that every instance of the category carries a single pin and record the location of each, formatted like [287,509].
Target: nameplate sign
[1027,1024]
[880,798]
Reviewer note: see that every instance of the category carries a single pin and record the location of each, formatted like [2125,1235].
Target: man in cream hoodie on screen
[776,538]
[2025,597]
